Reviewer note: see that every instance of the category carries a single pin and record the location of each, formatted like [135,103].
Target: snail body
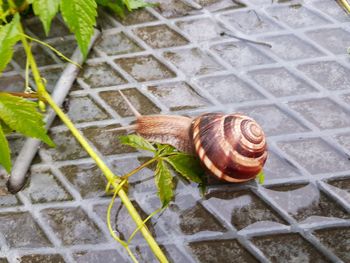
[232,147]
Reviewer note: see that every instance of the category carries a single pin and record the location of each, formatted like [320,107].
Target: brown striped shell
[232,147]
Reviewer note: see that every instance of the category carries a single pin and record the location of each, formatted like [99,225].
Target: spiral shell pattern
[232,147]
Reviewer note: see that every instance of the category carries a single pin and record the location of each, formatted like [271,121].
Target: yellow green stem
[346,5]
[139,168]
[105,169]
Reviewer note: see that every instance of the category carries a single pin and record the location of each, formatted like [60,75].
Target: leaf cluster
[167,158]
[79,15]
[21,115]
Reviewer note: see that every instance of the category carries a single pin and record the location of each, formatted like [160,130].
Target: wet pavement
[188,57]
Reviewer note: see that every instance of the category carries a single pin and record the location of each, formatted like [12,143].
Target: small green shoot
[261,177]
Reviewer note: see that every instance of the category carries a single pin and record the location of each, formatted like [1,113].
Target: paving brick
[178,96]
[11,83]
[145,68]
[6,198]
[315,155]
[84,109]
[54,258]
[297,16]
[86,178]
[290,47]
[329,74]
[323,113]
[280,82]
[202,29]
[101,75]
[306,203]
[251,22]
[99,256]
[160,36]
[220,251]
[332,9]
[193,61]
[290,247]
[72,226]
[21,231]
[117,44]
[279,168]
[67,147]
[337,239]
[240,54]
[106,140]
[340,187]
[336,40]
[44,187]
[242,209]
[229,89]
[138,100]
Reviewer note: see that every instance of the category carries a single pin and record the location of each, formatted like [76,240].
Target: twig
[246,40]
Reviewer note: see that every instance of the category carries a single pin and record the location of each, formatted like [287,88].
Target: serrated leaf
[22,116]
[102,2]
[117,8]
[187,165]
[164,183]
[1,8]
[165,149]
[137,142]
[9,36]
[5,153]
[135,4]
[5,128]
[46,10]
[80,16]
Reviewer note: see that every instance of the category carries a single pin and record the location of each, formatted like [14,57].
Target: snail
[231,147]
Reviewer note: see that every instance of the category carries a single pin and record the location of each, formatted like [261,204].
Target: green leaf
[137,142]
[135,4]
[9,36]
[1,8]
[164,149]
[46,10]
[188,166]
[80,17]
[5,153]
[164,182]
[261,177]
[22,116]
[103,2]
[117,8]
[5,128]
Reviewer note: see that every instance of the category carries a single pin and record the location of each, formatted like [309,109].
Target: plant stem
[105,169]
[110,177]
[346,5]
[139,168]
[36,74]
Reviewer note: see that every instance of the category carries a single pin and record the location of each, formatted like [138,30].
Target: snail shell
[232,147]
